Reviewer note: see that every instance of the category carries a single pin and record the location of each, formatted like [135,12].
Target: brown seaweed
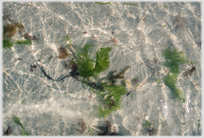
[112,78]
[29,37]
[11,29]
[189,71]
[82,127]
[63,53]
[8,131]
[32,67]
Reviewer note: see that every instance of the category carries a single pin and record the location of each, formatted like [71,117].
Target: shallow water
[141,32]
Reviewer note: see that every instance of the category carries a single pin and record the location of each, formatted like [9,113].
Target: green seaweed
[135,80]
[84,63]
[68,39]
[172,65]
[165,6]
[86,66]
[25,42]
[104,112]
[174,55]
[146,124]
[23,132]
[17,121]
[164,26]
[102,60]
[170,81]
[173,59]
[7,43]
[23,101]
[132,95]
[103,3]
[130,4]
[111,95]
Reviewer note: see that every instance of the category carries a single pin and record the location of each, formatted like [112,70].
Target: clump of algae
[7,43]
[109,94]
[9,31]
[173,59]
[111,98]
[17,122]
[170,81]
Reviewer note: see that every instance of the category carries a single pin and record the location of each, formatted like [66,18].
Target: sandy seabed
[137,34]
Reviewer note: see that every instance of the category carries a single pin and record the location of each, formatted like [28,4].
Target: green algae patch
[131,4]
[7,43]
[24,42]
[23,101]
[17,122]
[103,3]
[111,96]
[174,55]
[68,39]
[170,81]
[86,66]
[23,132]
[173,59]
[146,124]
[164,26]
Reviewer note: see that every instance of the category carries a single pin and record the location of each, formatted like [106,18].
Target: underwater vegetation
[131,4]
[111,95]
[68,39]
[173,59]
[103,3]
[148,129]
[29,37]
[63,53]
[8,131]
[7,43]
[86,66]
[17,122]
[82,126]
[112,78]
[189,71]
[170,81]
[24,42]
[11,29]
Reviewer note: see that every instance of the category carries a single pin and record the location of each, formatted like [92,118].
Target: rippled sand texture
[137,33]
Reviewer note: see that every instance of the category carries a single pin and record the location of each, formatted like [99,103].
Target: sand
[137,34]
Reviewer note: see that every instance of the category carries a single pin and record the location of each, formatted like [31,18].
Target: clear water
[141,31]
